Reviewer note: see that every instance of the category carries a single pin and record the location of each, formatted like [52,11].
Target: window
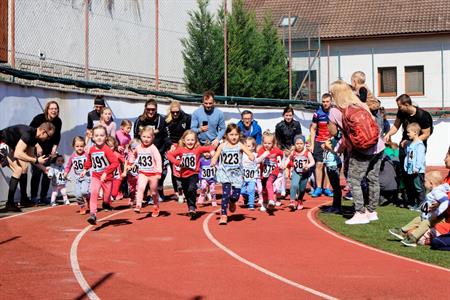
[387,81]
[3,31]
[414,80]
[307,91]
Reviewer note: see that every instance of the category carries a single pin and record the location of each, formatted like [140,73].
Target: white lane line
[26,213]
[74,260]
[255,266]
[314,222]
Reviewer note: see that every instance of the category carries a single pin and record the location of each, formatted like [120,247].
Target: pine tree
[271,68]
[203,52]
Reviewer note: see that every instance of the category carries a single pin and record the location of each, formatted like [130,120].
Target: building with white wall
[403,46]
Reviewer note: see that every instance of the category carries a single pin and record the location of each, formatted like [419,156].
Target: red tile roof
[358,18]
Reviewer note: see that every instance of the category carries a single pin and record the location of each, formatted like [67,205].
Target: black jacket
[177,127]
[285,133]
[162,140]
[55,139]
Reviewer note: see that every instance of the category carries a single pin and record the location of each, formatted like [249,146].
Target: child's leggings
[82,190]
[189,185]
[267,183]
[204,184]
[229,193]
[58,188]
[115,187]
[248,188]
[132,185]
[298,185]
[96,185]
[142,182]
[333,176]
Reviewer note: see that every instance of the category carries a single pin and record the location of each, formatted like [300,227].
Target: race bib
[145,162]
[134,170]
[208,172]
[59,178]
[78,164]
[188,161]
[250,173]
[99,161]
[230,159]
[116,174]
[299,163]
[269,166]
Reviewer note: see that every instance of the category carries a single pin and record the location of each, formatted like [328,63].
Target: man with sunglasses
[16,152]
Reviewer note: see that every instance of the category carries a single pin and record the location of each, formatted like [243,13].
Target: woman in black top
[177,123]
[286,130]
[150,117]
[48,148]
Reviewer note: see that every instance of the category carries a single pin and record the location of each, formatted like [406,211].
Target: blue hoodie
[254,132]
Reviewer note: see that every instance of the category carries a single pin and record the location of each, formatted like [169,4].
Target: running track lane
[171,258]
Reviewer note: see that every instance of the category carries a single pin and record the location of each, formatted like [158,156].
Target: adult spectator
[407,114]
[386,125]
[208,122]
[47,147]
[361,162]
[319,135]
[250,127]
[93,117]
[177,123]
[286,130]
[16,148]
[150,117]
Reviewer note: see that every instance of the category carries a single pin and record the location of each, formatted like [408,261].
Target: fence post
[157,44]
[13,33]
[290,55]
[225,50]
[86,39]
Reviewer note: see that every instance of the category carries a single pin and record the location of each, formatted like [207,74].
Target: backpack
[360,127]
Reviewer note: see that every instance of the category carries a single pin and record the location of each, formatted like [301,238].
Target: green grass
[376,233]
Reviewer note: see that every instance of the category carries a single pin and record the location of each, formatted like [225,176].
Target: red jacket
[189,161]
[101,160]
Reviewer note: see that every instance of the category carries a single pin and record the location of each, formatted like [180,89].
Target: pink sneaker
[358,218]
[300,205]
[372,216]
[214,203]
[201,199]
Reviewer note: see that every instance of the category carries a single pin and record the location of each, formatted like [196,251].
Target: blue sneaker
[317,192]
[348,196]
[327,192]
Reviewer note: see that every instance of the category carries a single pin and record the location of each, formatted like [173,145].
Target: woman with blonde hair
[362,162]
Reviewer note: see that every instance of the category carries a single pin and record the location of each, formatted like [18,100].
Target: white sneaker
[278,203]
[208,197]
[271,204]
[358,218]
[180,199]
[283,193]
[372,216]
[262,208]
[67,202]
[53,204]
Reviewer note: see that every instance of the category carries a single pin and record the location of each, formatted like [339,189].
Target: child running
[102,162]
[301,161]
[77,161]
[207,177]
[251,173]
[270,169]
[131,172]
[56,174]
[187,157]
[229,170]
[117,175]
[147,158]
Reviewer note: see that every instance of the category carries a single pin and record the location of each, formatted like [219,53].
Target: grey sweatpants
[365,166]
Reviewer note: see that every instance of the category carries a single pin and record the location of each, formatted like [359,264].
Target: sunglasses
[175,112]
[150,109]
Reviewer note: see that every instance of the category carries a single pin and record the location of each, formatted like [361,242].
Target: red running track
[131,256]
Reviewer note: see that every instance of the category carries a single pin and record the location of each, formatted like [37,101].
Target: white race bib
[99,161]
[188,161]
[78,164]
[145,162]
[208,172]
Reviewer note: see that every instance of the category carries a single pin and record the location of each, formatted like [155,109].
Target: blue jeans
[248,189]
[298,185]
[82,190]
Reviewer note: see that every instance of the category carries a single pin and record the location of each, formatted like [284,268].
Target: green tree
[243,41]
[271,79]
[203,52]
